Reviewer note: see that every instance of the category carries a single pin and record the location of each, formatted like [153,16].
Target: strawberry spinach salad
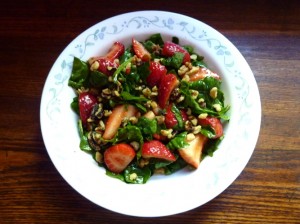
[153,107]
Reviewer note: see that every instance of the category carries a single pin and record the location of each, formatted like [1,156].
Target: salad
[152,107]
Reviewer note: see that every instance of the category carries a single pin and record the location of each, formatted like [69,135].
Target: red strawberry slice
[115,119]
[170,118]
[156,149]
[118,157]
[140,51]
[167,84]
[171,48]
[86,103]
[202,73]
[115,51]
[214,123]
[192,153]
[157,71]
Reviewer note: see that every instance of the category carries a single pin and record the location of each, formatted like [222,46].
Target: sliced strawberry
[192,153]
[140,51]
[160,137]
[156,149]
[107,66]
[167,84]
[115,119]
[86,103]
[170,118]
[117,157]
[157,71]
[171,48]
[115,51]
[202,73]
[214,123]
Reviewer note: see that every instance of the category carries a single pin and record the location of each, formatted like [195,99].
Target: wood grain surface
[34,33]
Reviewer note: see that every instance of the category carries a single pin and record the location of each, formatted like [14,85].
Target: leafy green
[136,175]
[178,142]
[156,39]
[175,166]
[173,62]
[79,75]
[84,144]
[98,79]
[148,127]
[178,117]
[128,134]
[75,105]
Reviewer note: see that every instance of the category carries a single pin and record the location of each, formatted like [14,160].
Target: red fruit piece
[106,64]
[156,149]
[140,51]
[157,71]
[202,73]
[214,123]
[118,157]
[192,153]
[170,118]
[171,48]
[115,119]
[167,84]
[86,103]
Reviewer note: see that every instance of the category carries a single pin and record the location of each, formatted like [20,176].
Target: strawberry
[115,119]
[171,48]
[86,103]
[214,123]
[117,157]
[107,64]
[170,119]
[192,153]
[157,71]
[140,51]
[156,149]
[202,73]
[167,84]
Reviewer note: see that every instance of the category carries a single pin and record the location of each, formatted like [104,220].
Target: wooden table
[32,35]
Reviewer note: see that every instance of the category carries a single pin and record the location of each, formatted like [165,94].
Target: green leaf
[175,166]
[136,175]
[173,62]
[148,127]
[84,144]
[75,105]
[178,117]
[79,75]
[178,142]
[98,79]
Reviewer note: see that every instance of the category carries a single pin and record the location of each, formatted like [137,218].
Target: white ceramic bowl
[162,195]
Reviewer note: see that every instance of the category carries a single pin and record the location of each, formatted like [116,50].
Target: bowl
[161,195]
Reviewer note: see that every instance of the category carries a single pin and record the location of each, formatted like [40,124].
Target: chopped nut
[217,107]
[197,129]
[160,119]
[106,91]
[146,92]
[133,176]
[186,78]
[135,145]
[194,121]
[201,100]
[202,116]
[107,113]
[193,71]
[133,120]
[189,65]
[213,92]
[188,126]
[194,57]
[194,93]
[190,137]
[150,115]
[154,89]
[159,171]
[101,125]
[116,93]
[180,99]
[99,157]
[189,111]
[182,70]
[94,66]
[167,133]
[153,104]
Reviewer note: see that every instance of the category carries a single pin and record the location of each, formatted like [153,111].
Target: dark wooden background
[34,33]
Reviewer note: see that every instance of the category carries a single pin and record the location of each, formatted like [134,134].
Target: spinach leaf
[114,175]
[98,79]
[173,62]
[79,75]
[84,144]
[175,166]
[128,134]
[136,175]
[178,142]
[156,39]
[148,127]
[178,117]
[75,105]
[143,71]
